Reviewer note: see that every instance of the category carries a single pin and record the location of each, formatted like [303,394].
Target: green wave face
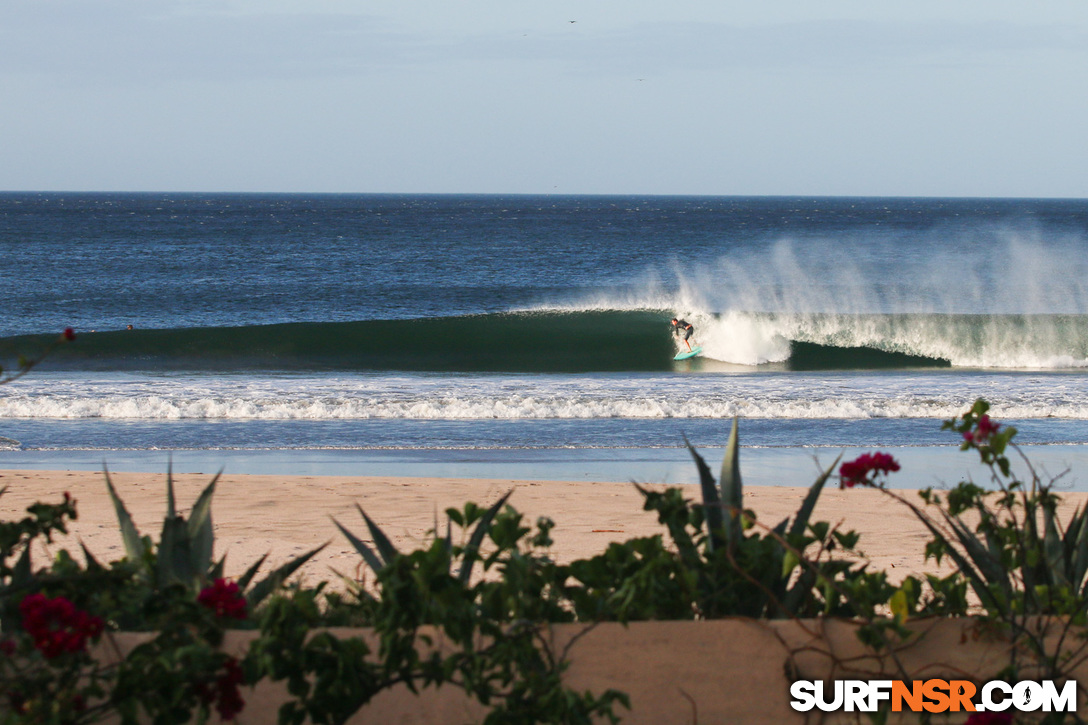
[526,342]
[531,342]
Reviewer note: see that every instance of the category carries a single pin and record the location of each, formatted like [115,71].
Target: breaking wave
[560,341]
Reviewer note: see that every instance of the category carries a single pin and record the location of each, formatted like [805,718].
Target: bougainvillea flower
[859,471]
[984,430]
[225,598]
[223,692]
[229,701]
[56,626]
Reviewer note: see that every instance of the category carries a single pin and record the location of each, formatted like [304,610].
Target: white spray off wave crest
[1006,299]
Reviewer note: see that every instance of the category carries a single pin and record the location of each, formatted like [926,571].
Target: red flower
[230,701]
[56,626]
[69,334]
[225,598]
[224,691]
[987,427]
[983,432]
[858,471]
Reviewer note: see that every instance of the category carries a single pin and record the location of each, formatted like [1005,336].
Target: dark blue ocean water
[365,324]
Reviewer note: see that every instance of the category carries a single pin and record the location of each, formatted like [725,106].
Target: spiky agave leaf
[713,508]
[21,579]
[1054,548]
[801,519]
[88,557]
[1078,537]
[385,547]
[135,549]
[185,547]
[477,538]
[791,597]
[199,528]
[216,572]
[372,560]
[732,490]
[245,579]
[171,507]
[965,564]
[275,579]
[990,568]
[174,562]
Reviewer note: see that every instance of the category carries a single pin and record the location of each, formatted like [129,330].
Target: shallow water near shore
[922,466]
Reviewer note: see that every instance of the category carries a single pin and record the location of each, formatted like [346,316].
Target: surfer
[684,330]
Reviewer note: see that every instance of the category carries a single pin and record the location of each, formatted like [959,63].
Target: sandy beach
[286,515]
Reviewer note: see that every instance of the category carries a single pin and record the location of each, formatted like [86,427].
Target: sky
[718,97]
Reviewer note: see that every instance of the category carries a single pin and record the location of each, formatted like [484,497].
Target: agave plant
[184,553]
[1018,556]
[741,569]
[384,552]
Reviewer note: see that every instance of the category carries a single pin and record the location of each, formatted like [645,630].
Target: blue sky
[950,98]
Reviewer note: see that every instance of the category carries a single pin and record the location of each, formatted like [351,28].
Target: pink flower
[224,691]
[987,427]
[859,471]
[56,626]
[984,430]
[225,598]
[230,701]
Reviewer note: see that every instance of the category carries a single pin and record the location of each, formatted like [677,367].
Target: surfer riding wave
[684,330]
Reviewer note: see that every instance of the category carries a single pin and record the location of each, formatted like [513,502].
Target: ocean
[528,336]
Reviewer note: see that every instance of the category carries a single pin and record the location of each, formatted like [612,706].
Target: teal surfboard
[685,355]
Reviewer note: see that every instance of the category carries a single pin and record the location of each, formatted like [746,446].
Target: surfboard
[685,355]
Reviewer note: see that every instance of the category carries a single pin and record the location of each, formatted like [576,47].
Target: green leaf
[1079,547]
[712,502]
[134,546]
[900,605]
[200,531]
[92,564]
[1055,552]
[801,589]
[245,579]
[361,548]
[732,492]
[174,561]
[991,569]
[381,541]
[477,538]
[978,581]
[21,575]
[275,580]
[216,572]
[800,521]
[171,507]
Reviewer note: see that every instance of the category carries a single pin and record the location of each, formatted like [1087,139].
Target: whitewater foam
[538,397]
[989,296]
